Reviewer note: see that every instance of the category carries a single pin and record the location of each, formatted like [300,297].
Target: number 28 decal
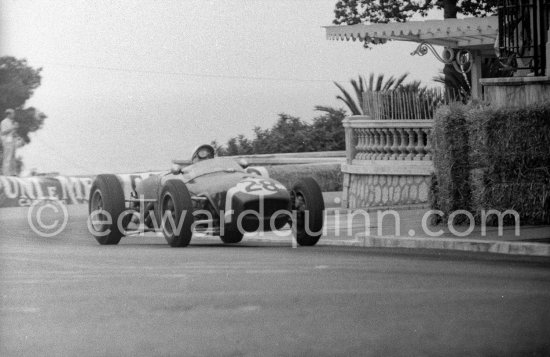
[258,186]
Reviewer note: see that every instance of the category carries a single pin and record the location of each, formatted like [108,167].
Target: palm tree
[456,83]
[329,110]
[361,86]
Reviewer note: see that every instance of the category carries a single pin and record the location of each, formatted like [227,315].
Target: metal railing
[523,34]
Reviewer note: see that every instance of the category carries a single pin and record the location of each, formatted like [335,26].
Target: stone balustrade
[388,162]
[387,139]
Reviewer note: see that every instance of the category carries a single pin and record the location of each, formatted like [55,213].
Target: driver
[203,152]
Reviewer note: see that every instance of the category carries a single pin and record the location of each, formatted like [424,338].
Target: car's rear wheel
[232,236]
[307,200]
[176,213]
[105,205]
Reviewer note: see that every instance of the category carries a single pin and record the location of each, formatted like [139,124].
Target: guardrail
[23,191]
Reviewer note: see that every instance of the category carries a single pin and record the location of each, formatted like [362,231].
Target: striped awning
[473,32]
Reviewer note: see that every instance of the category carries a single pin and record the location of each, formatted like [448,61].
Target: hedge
[450,189]
[510,161]
[493,158]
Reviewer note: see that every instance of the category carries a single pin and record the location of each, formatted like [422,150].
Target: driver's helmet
[203,152]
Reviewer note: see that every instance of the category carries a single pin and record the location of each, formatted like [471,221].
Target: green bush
[328,176]
[510,161]
[290,135]
[488,158]
[450,189]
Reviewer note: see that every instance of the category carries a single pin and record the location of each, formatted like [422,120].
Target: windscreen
[211,166]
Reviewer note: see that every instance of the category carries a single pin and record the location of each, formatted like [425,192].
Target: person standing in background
[8,128]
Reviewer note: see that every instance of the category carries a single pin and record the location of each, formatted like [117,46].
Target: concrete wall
[515,91]
[386,183]
[385,190]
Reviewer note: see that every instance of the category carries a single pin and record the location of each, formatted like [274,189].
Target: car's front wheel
[105,205]
[176,213]
[232,236]
[307,201]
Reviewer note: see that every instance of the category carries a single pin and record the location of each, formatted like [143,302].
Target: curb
[343,211]
[465,245]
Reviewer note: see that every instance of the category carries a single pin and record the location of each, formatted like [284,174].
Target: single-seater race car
[208,194]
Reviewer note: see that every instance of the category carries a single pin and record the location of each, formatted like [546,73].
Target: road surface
[68,296]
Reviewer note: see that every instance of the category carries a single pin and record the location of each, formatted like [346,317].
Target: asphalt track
[68,296]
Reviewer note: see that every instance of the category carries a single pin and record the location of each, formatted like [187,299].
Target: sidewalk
[410,233]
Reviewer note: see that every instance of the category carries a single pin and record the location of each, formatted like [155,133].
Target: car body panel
[230,191]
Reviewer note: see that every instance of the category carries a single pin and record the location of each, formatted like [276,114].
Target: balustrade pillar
[359,143]
[382,145]
[370,141]
[419,148]
[387,147]
[395,144]
[411,146]
[350,140]
[376,146]
[367,148]
[404,143]
[428,147]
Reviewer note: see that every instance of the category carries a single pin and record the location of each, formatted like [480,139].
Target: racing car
[209,195]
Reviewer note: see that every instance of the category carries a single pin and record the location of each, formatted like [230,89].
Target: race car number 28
[259,187]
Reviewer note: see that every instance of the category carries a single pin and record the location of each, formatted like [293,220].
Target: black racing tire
[106,194]
[175,197]
[232,236]
[307,199]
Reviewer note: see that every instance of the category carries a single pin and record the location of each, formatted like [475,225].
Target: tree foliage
[454,80]
[353,12]
[18,82]
[291,134]
[328,132]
